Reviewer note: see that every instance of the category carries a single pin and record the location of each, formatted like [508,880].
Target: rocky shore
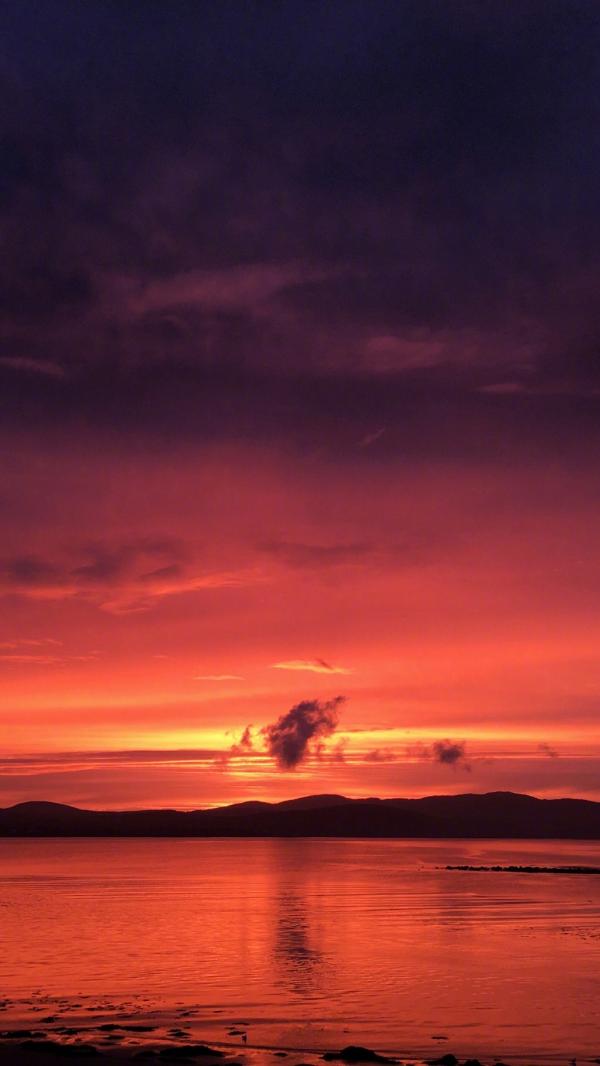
[133,1043]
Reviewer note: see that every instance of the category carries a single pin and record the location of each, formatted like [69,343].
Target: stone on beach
[16,1034]
[53,1047]
[355,1053]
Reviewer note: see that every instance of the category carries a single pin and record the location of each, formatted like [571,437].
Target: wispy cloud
[317,556]
[73,761]
[238,288]
[121,578]
[380,755]
[371,438]
[45,651]
[21,364]
[30,642]
[218,677]
[244,747]
[312,666]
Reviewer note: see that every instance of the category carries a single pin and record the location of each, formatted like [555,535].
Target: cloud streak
[120,578]
[218,677]
[311,666]
[21,364]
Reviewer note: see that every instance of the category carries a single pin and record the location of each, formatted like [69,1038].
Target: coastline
[24,1053]
[165,1041]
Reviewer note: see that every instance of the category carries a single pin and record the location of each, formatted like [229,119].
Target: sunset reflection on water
[316,943]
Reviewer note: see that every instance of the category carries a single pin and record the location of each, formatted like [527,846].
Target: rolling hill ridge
[493,814]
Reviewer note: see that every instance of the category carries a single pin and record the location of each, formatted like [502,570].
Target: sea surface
[308,944]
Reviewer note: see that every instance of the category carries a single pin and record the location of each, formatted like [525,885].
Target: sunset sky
[300,395]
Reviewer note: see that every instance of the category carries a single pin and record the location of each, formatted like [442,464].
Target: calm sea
[310,944]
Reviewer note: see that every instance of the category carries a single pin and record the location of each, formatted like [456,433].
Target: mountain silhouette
[492,814]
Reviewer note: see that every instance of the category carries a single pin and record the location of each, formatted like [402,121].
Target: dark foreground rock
[445,1060]
[52,1047]
[21,1034]
[355,1053]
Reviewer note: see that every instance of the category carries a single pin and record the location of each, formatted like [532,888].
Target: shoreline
[114,1042]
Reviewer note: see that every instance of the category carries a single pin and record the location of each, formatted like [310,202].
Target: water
[312,943]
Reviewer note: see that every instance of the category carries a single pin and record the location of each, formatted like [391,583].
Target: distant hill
[493,814]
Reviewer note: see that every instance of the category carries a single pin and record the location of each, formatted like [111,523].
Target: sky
[299,400]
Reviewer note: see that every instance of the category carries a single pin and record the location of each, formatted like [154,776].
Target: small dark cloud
[445,752]
[28,571]
[288,740]
[546,749]
[334,754]
[449,752]
[379,755]
[243,746]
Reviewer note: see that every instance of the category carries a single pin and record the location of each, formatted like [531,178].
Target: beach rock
[52,1047]
[355,1053]
[472,1062]
[19,1034]
[444,1060]
[280,1054]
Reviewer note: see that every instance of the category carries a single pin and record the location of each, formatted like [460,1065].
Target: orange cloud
[312,666]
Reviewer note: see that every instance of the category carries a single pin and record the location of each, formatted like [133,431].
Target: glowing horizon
[300,397]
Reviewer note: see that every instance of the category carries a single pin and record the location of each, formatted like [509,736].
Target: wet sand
[83,1029]
[141,1043]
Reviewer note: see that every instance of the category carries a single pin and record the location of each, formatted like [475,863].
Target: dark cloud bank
[231,220]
